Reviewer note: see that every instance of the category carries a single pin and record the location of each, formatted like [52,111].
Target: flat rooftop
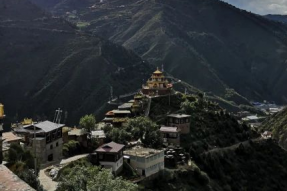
[179,115]
[121,112]
[169,129]
[98,134]
[141,151]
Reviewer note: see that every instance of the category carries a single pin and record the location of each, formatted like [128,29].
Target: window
[57,144]
[59,133]
[48,138]
[101,156]
[54,134]
[51,146]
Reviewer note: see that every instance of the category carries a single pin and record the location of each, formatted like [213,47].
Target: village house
[9,138]
[181,121]
[145,161]
[99,135]
[48,141]
[110,156]
[170,135]
[117,117]
[79,135]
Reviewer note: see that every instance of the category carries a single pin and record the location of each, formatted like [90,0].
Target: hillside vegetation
[225,154]
[277,124]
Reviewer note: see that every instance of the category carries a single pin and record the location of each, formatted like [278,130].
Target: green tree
[146,130]
[93,179]
[88,122]
[21,162]
[19,159]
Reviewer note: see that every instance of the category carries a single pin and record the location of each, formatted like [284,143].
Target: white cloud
[261,6]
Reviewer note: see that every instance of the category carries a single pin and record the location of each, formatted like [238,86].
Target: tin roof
[111,147]
[48,126]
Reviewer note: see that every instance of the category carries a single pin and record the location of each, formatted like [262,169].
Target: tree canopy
[88,122]
[93,178]
[138,128]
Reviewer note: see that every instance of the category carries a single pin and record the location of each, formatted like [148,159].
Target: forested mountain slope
[48,64]
[207,43]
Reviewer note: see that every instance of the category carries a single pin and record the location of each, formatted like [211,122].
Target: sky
[262,7]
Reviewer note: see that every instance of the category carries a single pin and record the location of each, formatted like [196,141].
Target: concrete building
[110,156]
[48,141]
[145,161]
[170,135]
[181,121]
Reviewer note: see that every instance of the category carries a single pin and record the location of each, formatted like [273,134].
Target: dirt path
[46,181]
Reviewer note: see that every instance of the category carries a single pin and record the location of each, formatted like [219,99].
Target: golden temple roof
[157,71]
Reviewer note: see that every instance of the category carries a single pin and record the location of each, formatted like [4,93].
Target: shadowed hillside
[47,64]
[207,43]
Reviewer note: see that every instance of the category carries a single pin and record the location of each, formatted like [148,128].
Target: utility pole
[34,144]
[58,115]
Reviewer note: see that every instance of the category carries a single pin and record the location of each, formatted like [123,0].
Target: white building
[145,161]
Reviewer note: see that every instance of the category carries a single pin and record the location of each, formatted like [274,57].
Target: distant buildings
[110,156]
[145,161]
[48,140]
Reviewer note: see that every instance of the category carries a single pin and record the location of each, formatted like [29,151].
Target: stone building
[44,139]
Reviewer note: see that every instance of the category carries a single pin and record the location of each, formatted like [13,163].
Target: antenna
[58,115]
[162,69]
